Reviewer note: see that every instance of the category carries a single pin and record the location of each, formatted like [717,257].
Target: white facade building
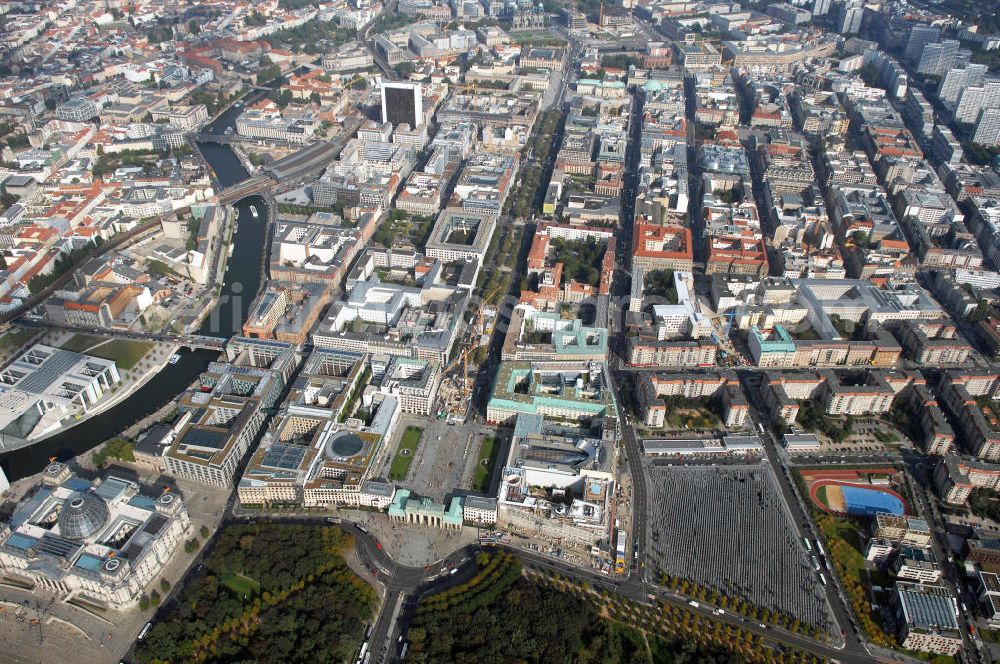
[101,541]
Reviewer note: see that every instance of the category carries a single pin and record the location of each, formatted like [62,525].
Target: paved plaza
[412,545]
[445,459]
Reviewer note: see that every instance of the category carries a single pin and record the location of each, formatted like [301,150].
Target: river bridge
[191,341]
[221,139]
[307,162]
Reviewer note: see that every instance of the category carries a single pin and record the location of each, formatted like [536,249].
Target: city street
[802,196]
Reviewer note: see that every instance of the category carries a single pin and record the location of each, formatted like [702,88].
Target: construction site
[457,384]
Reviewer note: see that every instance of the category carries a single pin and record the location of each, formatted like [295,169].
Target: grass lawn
[487,460]
[81,342]
[400,467]
[821,495]
[853,557]
[16,337]
[239,584]
[125,352]
[849,532]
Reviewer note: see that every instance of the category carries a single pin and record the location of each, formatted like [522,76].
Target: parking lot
[871,439]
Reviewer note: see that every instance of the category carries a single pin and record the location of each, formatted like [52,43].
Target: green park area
[983,504]
[487,461]
[813,417]
[660,283]
[697,413]
[581,259]
[116,448]
[528,38]
[821,495]
[125,352]
[546,619]
[239,584]
[267,593]
[400,467]
[845,542]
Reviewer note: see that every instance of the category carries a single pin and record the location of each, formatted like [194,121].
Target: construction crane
[730,316]
[463,357]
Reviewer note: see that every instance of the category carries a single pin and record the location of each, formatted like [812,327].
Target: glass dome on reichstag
[83,515]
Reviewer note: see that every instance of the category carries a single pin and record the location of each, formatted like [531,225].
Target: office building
[916,564]
[920,36]
[479,510]
[46,387]
[485,182]
[699,55]
[988,592]
[957,79]
[414,382]
[544,335]
[566,393]
[77,109]
[938,57]
[557,484]
[926,616]
[878,550]
[386,318]
[662,248]
[653,387]
[320,449]
[973,417]
[988,127]
[286,312]
[957,477]
[222,415]
[975,98]
[652,353]
[460,235]
[903,530]
[851,13]
[182,117]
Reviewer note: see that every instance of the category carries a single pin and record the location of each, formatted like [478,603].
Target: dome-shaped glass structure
[82,515]
[344,446]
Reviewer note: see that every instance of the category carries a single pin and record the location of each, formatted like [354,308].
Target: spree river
[239,288]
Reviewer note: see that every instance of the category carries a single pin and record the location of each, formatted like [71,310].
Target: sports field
[854,499]
[831,497]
